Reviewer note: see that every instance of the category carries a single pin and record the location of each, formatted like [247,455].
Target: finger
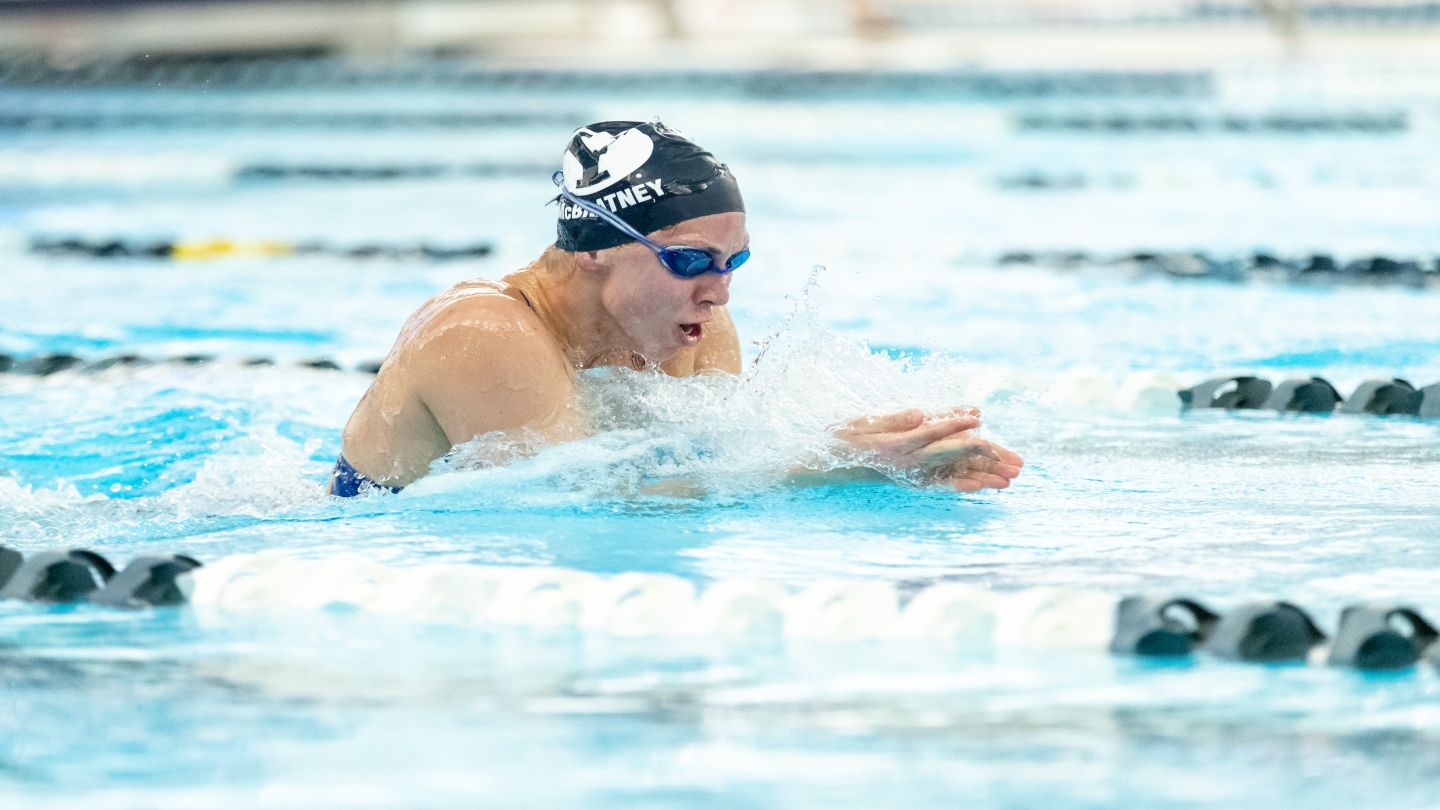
[890,423]
[993,452]
[1005,471]
[1008,456]
[977,481]
[913,440]
[980,464]
[957,448]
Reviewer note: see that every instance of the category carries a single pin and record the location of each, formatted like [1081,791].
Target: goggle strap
[605,216]
[624,227]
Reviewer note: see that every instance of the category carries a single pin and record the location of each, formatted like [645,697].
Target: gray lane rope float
[1160,394]
[215,249]
[1418,272]
[1121,122]
[1370,636]
[44,365]
[1387,396]
[317,68]
[46,172]
[1318,268]
[367,120]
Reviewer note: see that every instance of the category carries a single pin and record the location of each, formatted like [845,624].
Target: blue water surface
[907,204]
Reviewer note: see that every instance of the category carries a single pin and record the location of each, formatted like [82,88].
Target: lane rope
[1372,636]
[205,250]
[1145,393]
[1314,269]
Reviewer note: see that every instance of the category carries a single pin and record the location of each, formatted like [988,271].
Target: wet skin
[477,359]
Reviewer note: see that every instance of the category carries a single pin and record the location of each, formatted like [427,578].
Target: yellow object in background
[226,249]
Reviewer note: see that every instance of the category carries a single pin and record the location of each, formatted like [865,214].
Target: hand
[943,449]
[988,466]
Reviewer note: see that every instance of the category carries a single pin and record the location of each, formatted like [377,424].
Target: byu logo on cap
[597,160]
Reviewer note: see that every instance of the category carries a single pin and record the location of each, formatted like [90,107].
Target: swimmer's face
[662,314]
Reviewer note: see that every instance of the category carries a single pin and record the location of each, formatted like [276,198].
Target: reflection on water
[155,701]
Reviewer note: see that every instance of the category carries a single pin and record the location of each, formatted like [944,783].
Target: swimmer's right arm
[487,364]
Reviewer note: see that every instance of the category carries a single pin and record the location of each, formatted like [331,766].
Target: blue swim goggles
[681,261]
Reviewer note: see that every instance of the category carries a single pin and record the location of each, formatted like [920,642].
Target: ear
[590,261]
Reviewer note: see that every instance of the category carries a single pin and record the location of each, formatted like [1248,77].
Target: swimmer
[651,227]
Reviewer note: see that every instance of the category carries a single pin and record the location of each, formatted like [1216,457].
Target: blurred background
[370,153]
[71,36]
[74,35]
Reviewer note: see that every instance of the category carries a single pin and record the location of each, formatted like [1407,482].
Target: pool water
[906,203]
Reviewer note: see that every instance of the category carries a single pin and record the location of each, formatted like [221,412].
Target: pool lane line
[1369,636]
[203,250]
[1316,269]
[1149,393]
[44,365]
[281,69]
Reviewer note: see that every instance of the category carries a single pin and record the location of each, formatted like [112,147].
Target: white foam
[1000,387]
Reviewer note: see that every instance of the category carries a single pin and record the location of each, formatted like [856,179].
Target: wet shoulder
[475,311]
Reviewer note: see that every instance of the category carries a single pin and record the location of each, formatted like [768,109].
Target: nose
[713,289]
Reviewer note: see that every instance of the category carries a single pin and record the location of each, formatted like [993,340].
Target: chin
[664,355]
[666,347]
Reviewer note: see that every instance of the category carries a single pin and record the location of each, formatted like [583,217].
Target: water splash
[720,435]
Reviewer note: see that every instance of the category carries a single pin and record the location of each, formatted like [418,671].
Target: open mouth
[692,331]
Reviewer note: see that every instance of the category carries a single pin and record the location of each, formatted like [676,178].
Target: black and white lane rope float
[1314,269]
[1386,396]
[75,575]
[217,249]
[1368,636]
[45,365]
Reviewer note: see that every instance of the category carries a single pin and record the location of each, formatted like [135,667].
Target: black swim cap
[650,175]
